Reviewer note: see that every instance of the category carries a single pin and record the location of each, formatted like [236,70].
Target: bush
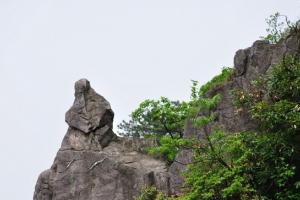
[219,170]
[276,170]
[168,147]
[284,82]
[151,193]
[148,193]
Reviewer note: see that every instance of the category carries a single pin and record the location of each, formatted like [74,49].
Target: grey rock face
[249,63]
[93,163]
[90,110]
[183,158]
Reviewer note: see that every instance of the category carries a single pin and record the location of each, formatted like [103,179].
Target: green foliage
[151,193]
[247,165]
[162,119]
[194,91]
[261,165]
[219,170]
[217,81]
[255,93]
[204,120]
[156,117]
[200,101]
[242,166]
[168,147]
[278,27]
[278,116]
[131,128]
[274,98]
[202,104]
[284,82]
[148,193]
[165,119]
[276,171]
[272,168]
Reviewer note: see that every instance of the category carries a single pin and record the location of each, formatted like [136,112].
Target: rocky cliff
[249,63]
[93,163]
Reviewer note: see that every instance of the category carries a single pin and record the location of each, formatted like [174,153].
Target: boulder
[90,110]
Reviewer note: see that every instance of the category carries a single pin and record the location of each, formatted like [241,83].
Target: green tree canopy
[156,117]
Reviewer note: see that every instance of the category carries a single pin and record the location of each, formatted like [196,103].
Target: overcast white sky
[129,50]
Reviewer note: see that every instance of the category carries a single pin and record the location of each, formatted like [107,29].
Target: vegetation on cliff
[156,117]
[258,164]
[251,165]
[279,26]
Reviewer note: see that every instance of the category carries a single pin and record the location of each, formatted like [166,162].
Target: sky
[130,50]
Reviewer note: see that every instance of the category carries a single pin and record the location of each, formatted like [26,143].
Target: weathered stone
[90,110]
[111,174]
[183,158]
[43,190]
[240,61]
[93,163]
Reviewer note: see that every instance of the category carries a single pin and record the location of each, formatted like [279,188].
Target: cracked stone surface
[92,162]
[90,110]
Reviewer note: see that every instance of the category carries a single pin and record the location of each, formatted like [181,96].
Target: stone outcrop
[93,163]
[249,63]
[90,110]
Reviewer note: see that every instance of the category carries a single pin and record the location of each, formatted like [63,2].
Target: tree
[156,117]
[279,26]
[165,117]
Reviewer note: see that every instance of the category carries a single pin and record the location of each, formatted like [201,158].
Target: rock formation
[249,63]
[93,163]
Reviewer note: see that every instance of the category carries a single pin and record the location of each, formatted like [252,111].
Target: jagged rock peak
[93,163]
[90,110]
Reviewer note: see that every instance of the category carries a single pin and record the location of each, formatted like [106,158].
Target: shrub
[168,147]
[279,27]
[151,193]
